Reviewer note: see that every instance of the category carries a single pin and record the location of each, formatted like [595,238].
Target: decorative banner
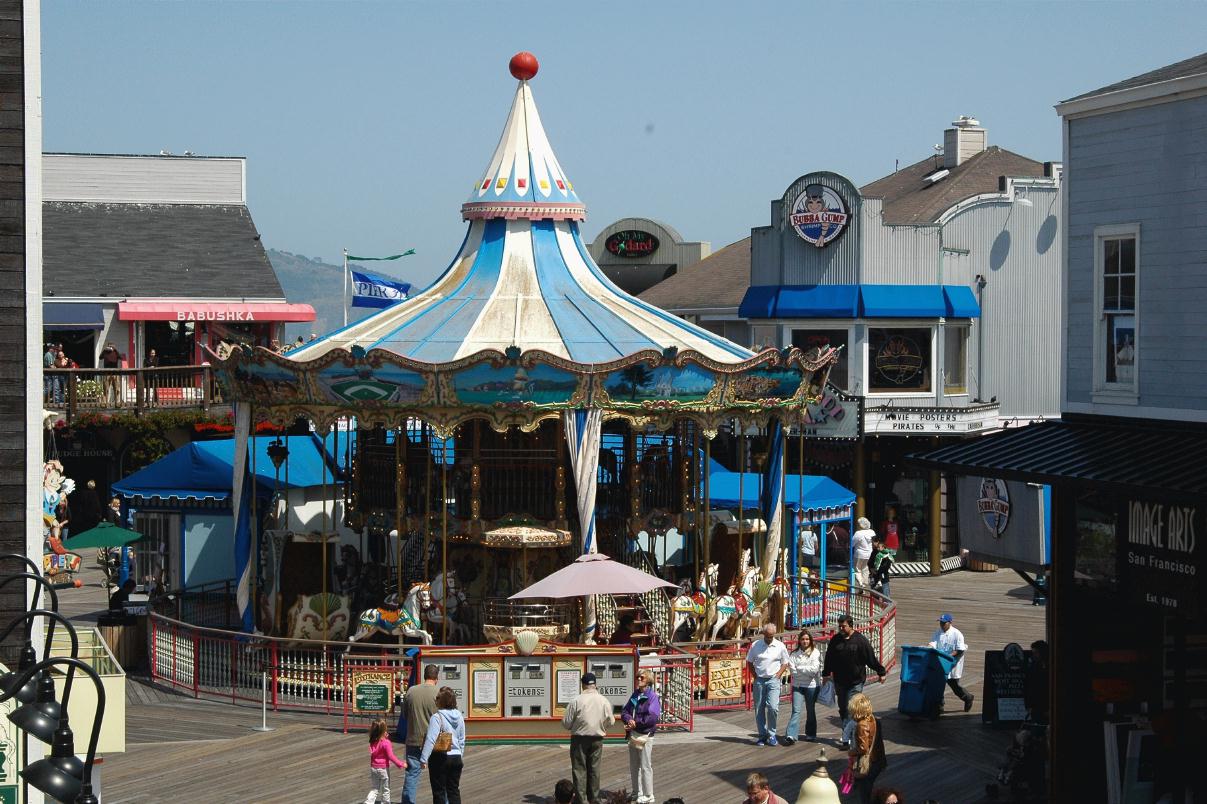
[373,290]
[724,679]
[631,243]
[819,215]
[372,691]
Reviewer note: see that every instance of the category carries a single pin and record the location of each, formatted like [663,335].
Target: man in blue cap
[949,640]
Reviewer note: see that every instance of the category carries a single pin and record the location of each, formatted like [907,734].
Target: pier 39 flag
[371,290]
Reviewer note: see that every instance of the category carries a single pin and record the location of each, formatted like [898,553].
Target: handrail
[83,390]
[226,633]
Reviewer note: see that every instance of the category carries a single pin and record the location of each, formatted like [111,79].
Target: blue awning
[961,303]
[800,301]
[817,491]
[901,301]
[67,315]
[859,301]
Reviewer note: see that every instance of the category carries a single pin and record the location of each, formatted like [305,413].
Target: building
[1126,619]
[155,252]
[940,284]
[638,253]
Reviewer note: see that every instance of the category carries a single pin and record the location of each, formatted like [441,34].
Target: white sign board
[905,421]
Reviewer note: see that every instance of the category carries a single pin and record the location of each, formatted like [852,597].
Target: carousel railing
[501,612]
[302,674]
[77,391]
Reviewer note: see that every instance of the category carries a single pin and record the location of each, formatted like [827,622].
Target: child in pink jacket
[381,754]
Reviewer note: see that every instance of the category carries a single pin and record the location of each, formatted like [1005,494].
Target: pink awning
[212,311]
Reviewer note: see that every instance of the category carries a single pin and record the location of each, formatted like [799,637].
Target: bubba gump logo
[819,215]
[993,504]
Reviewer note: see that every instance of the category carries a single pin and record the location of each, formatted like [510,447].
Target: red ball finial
[523,65]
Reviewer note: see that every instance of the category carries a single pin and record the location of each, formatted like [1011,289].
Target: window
[1115,281]
[808,339]
[955,360]
[899,360]
[158,556]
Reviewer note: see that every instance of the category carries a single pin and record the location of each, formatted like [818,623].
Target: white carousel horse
[397,621]
[690,607]
[317,617]
[447,600]
[735,607]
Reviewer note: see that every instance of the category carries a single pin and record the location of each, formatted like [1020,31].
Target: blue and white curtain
[773,498]
[241,491]
[583,431]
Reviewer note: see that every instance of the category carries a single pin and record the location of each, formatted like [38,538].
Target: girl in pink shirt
[381,754]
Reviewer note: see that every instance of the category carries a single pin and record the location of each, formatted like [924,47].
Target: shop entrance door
[173,341]
[78,345]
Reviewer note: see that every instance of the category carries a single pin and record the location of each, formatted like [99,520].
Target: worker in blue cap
[950,640]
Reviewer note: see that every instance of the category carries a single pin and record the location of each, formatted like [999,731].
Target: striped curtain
[241,491]
[583,429]
[773,498]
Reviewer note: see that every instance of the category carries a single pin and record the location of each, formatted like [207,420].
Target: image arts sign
[1162,555]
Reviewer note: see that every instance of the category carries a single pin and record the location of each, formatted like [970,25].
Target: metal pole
[263,703]
[399,501]
[444,536]
[323,535]
[741,489]
[344,277]
[255,522]
[427,495]
[707,502]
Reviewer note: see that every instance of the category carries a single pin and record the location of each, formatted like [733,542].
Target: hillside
[319,284]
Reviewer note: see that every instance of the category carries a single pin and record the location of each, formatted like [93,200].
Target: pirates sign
[993,504]
[819,215]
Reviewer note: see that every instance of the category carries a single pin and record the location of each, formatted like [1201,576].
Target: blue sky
[365,123]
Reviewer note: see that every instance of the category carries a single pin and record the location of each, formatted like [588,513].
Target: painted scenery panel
[364,383]
[266,383]
[640,383]
[752,386]
[486,385]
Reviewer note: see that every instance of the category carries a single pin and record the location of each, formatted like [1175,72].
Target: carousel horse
[307,616]
[688,608]
[395,620]
[733,610]
[447,600]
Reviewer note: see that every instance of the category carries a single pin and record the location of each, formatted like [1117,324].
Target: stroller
[110,561]
[1024,773]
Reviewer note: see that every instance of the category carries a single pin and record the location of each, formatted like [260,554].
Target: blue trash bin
[923,673]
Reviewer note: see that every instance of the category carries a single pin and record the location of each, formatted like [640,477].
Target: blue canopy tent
[195,481]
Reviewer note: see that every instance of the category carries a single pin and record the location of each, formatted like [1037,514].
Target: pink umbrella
[593,574]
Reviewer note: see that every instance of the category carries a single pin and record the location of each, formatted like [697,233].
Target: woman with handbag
[805,661]
[866,756]
[444,748]
[640,717]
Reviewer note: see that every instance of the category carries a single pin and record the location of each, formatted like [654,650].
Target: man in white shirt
[768,662]
[949,640]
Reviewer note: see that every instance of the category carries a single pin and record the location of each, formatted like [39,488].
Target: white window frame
[936,382]
[830,325]
[1126,393]
[964,326]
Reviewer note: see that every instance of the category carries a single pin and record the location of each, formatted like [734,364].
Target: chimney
[964,140]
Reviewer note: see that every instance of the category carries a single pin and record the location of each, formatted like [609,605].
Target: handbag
[862,765]
[444,740]
[638,740]
[826,695]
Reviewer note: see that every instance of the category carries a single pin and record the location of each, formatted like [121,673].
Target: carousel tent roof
[817,491]
[523,277]
[203,470]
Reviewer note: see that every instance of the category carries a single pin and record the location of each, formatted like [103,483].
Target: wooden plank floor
[180,749]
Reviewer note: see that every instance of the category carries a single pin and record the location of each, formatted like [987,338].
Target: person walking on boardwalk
[587,718]
[881,565]
[866,755]
[640,717]
[806,684]
[949,640]
[847,659]
[444,749]
[758,791]
[381,754]
[768,662]
[418,708]
[861,547]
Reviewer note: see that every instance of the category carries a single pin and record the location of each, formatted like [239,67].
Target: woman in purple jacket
[640,716]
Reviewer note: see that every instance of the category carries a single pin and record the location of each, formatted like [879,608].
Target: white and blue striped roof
[523,278]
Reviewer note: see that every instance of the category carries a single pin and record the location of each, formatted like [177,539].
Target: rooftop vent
[964,140]
[938,175]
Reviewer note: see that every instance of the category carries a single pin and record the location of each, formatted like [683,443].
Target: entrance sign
[372,691]
[819,215]
[724,679]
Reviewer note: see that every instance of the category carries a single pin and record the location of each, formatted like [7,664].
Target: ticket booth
[506,695]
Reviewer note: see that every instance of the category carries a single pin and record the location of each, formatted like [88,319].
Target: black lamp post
[61,775]
[40,717]
[27,690]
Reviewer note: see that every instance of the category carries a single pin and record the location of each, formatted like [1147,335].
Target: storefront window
[1095,563]
[158,556]
[955,360]
[899,359]
[173,341]
[807,339]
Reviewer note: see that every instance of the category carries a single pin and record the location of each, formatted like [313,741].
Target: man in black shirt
[847,656]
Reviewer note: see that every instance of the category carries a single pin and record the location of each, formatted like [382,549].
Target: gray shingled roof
[908,199]
[1195,65]
[150,250]
[718,280]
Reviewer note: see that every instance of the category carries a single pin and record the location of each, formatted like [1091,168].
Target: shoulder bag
[444,740]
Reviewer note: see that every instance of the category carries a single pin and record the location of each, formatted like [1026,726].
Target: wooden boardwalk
[180,749]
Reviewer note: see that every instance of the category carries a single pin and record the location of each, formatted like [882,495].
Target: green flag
[406,253]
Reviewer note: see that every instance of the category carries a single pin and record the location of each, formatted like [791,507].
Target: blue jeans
[806,698]
[411,784]
[766,705]
[843,694]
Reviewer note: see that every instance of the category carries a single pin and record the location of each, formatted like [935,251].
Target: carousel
[521,411]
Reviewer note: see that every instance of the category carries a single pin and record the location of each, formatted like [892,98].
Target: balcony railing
[77,391]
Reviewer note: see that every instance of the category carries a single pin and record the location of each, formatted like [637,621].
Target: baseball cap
[588,678]
[945,618]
